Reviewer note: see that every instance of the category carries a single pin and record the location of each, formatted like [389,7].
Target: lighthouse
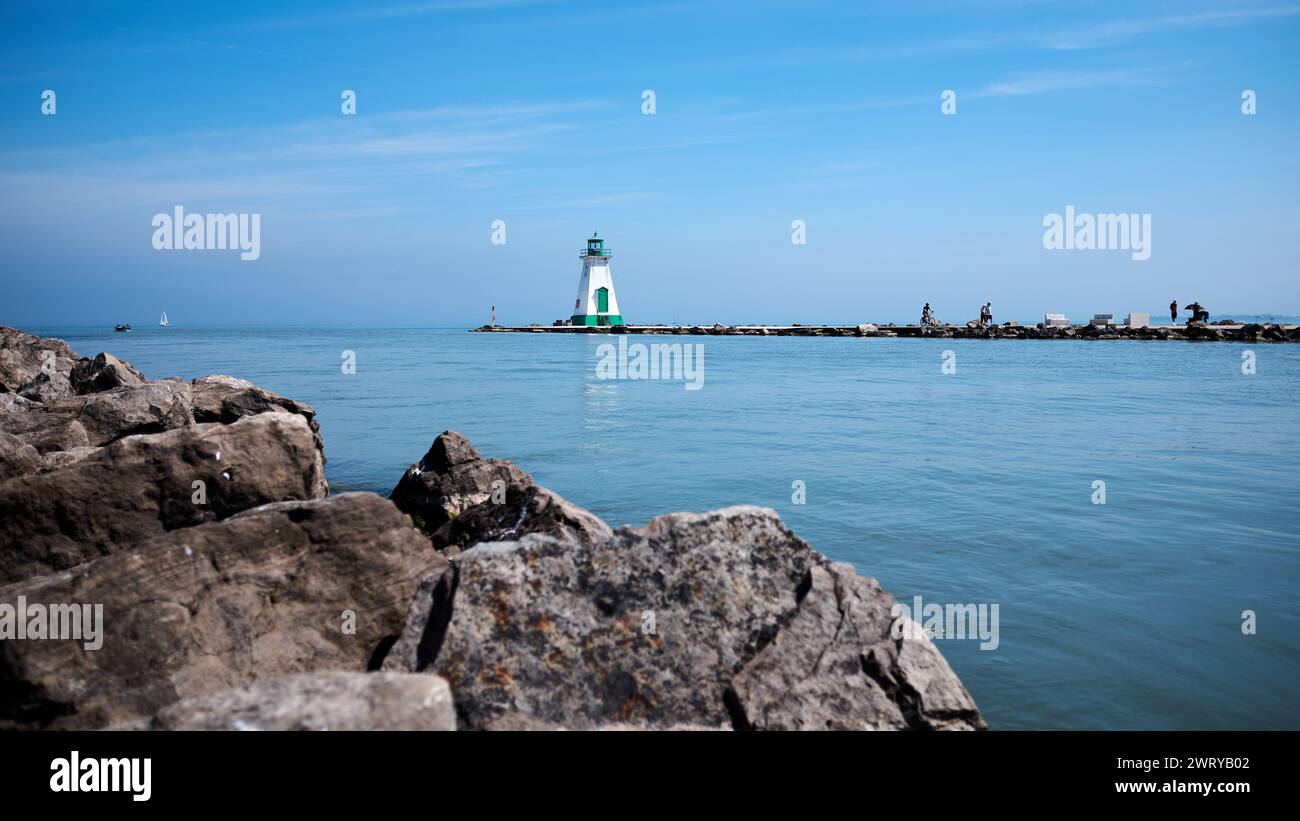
[596,303]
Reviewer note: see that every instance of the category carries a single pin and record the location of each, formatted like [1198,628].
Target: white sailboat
[163,320]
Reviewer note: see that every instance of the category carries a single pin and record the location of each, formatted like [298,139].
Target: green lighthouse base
[597,319]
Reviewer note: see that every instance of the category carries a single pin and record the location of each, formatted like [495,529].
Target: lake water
[971,487]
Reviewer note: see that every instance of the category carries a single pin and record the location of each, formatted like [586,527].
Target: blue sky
[531,113]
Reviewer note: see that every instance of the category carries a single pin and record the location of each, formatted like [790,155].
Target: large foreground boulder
[460,499]
[319,701]
[286,588]
[142,486]
[720,619]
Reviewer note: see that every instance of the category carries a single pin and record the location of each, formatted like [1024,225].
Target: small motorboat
[122,329]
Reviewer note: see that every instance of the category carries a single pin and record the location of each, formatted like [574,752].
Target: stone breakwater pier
[1195,332]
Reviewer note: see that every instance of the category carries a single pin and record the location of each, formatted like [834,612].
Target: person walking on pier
[986,314]
[1173,312]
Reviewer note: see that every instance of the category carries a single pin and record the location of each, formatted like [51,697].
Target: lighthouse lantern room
[596,303]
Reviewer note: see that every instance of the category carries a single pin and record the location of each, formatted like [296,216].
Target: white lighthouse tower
[596,303]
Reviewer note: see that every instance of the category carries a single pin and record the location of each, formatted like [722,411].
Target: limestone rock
[46,430]
[682,622]
[220,398]
[141,486]
[23,357]
[17,458]
[836,666]
[190,613]
[102,373]
[55,459]
[11,403]
[319,701]
[459,499]
[100,418]
[46,387]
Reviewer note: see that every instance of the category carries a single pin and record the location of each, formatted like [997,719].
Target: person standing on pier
[986,314]
[1173,312]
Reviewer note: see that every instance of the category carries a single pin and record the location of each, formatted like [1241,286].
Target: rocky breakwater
[472,598]
[1196,332]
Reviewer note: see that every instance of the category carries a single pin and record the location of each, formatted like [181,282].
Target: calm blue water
[974,487]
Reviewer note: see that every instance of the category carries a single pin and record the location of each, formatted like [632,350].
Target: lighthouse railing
[595,252]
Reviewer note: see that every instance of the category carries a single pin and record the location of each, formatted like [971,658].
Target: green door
[602,300]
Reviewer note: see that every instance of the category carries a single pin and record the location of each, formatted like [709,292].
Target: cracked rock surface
[319,701]
[140,486]
[836,666]
[460,499]
[718,619]
[192,612]
[94,458]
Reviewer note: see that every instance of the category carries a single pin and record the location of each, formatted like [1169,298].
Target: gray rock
[47,387]
[141,486]
[836,666]
[515,723]
[102,373]
[100,418]
[194,612]
[62,458]
[23,357]
[460,499]
[551,631]
[11,403]
[17,458]
[45,431]
[220,398]
[319,701]
[128,411]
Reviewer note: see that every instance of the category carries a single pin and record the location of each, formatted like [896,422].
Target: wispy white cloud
[229,47]
[391,12]
[1040,82]
[1116,31]
[362,161]
[592,201]
[1076,37]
